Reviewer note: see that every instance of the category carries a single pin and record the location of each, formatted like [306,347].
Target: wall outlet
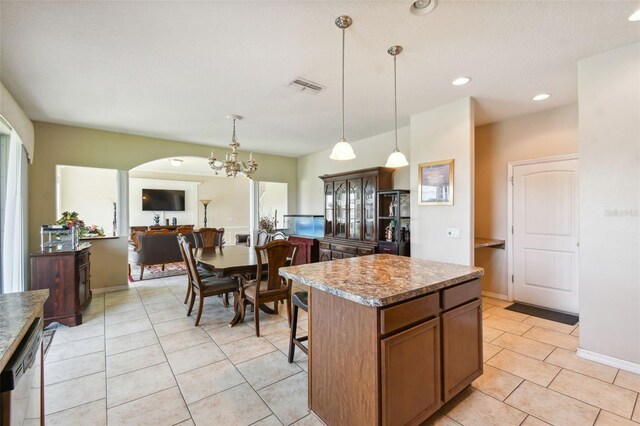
[453,232]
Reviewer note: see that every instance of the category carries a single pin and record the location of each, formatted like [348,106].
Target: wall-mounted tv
[164,200]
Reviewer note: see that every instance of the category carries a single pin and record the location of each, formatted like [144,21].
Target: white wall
[544,134]
[273,198]
[88,191]
[609,104]
[443,133]
[138,217]
[370,152]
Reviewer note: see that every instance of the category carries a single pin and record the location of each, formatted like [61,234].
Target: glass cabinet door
[340,193]
[355,209]
[328,209]
[369,190]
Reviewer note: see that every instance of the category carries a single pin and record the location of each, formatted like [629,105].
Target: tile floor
[139,360]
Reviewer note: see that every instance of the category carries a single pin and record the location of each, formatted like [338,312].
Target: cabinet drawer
[344,248]
[389,249]
[410,312]
[326,246]
[348,255]
[365,251]
[460,294]
[336,255]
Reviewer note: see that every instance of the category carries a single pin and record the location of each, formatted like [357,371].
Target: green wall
[76,146]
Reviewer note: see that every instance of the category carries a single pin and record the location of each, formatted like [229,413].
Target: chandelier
[231,165]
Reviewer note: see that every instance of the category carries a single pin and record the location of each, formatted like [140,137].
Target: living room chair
[273,288]
[201,286]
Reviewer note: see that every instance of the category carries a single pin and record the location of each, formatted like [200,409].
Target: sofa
[155,248]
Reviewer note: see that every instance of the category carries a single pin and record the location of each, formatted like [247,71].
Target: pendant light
[343,150]
[396,158]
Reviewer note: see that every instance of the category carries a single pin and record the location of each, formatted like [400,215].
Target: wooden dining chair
[273,288]
[204,287]
[279,236]
[262,238]
[208,237]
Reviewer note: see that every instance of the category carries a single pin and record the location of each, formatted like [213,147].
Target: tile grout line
[168,363]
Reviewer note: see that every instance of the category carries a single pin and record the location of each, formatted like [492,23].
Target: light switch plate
[453,232]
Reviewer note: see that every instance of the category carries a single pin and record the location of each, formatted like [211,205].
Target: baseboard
[609,360]
[109,289]
[496,295]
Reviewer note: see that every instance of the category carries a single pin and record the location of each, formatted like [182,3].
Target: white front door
[545,234]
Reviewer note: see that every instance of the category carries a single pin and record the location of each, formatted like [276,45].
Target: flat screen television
[164,200]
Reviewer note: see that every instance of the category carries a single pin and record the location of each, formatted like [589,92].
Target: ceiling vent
[305,85]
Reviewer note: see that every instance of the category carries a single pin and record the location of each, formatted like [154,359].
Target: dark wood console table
[66,274]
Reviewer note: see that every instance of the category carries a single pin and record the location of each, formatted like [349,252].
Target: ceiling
[175,69]
[192,166]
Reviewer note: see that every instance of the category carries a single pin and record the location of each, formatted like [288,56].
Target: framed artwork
[435,186]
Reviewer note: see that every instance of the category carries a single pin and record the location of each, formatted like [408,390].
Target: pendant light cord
[343,36]
[395,97]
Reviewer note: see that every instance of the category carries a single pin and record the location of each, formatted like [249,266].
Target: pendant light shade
[396,158]
[343,150]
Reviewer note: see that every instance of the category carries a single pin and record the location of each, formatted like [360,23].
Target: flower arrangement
[266,223]
[72,219]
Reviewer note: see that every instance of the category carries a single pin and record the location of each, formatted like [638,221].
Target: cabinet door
[410,374]
[355,209]
[369,189]
[83,284]
[461,347]
[340,198]
[328,209]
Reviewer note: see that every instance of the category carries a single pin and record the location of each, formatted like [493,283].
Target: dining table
[231,261]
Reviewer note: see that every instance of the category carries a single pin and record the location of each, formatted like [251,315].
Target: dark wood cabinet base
[66,274]
[392,365]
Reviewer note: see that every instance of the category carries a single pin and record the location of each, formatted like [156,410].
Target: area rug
[544,313]
[155,271]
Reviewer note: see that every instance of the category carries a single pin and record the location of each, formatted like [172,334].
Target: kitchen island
[391,338]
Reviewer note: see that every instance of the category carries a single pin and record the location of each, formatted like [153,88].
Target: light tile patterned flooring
[139,360]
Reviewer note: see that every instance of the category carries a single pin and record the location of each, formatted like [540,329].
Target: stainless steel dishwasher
[21,389]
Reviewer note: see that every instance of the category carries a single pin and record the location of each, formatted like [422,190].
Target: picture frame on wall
[435,183]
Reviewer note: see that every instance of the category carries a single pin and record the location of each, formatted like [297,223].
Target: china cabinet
[350,212]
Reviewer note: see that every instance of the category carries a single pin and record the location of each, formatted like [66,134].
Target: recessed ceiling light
[461,81]
[541,97]
[635,16]
[423,7]
[175,162]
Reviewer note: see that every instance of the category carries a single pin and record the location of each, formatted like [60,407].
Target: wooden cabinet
[308,249]
[394,215]
[350,208]
[396,364]
[461,348]
[410,389]
[67,275]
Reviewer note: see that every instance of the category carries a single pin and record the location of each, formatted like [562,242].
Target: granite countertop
[488,242]
[18,312]
[380,279]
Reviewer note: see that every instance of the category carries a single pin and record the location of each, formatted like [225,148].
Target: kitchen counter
[380,279]
[488,242]
[391,338]
[18,312]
